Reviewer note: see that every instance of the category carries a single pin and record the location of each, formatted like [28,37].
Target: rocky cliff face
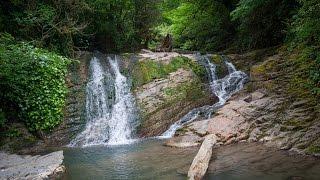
[269,109]
[272,107]
[165,99]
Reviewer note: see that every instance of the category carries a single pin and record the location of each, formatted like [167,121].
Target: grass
[190,91]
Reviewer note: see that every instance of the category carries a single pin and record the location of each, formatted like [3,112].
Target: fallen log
[200,163]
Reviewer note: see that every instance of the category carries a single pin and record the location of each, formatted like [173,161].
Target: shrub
[33,81]
[305,35]
[203,25]
[261,23]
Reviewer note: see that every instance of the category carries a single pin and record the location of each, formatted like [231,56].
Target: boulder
[14,166]
[184,141]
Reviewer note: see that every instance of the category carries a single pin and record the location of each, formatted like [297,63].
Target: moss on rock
[221,68]
[313,149]
[167,91]
[145,71]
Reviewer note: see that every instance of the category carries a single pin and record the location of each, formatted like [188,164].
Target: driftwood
[200,163]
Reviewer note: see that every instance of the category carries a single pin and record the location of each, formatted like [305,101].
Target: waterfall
[223,88]
[123,115]
[110,107]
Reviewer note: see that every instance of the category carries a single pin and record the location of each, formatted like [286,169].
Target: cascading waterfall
[123,111]
[223,88]
[110,107]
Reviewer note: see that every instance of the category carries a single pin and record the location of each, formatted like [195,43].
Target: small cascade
[110,107]
[223,88]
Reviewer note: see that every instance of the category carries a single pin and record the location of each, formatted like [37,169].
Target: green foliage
[68,25]
[32,80]
[199,25]
[262,23]
[113,24]
[305,35]
[190,91]
[313,149]
[306,25]
[43,22]
[148,70]
[11,133]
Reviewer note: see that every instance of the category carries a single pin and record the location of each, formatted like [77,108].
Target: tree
[262,23]
[200,25]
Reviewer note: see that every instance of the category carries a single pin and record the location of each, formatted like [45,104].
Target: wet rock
[199,127]
[184,141]
[164,101]
[31,167]
[267,109]
[229,122]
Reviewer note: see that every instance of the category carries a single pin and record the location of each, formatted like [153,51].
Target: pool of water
[149,159]
[253,161]
[146,159]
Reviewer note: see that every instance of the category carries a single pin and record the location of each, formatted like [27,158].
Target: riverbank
[31,167]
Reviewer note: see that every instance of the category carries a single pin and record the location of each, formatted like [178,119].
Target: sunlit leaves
[199,25]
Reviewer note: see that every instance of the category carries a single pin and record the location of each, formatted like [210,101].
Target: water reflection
[255,161]
[148,159]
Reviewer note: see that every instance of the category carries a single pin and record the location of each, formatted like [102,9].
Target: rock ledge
[14,166]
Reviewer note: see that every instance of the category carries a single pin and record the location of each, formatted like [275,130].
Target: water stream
[110,107]
[223,88]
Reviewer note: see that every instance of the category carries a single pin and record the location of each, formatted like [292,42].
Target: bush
[305,35]
[201,25]
[262,23]
[33,81]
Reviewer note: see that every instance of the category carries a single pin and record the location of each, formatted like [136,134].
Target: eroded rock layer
[268,110]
